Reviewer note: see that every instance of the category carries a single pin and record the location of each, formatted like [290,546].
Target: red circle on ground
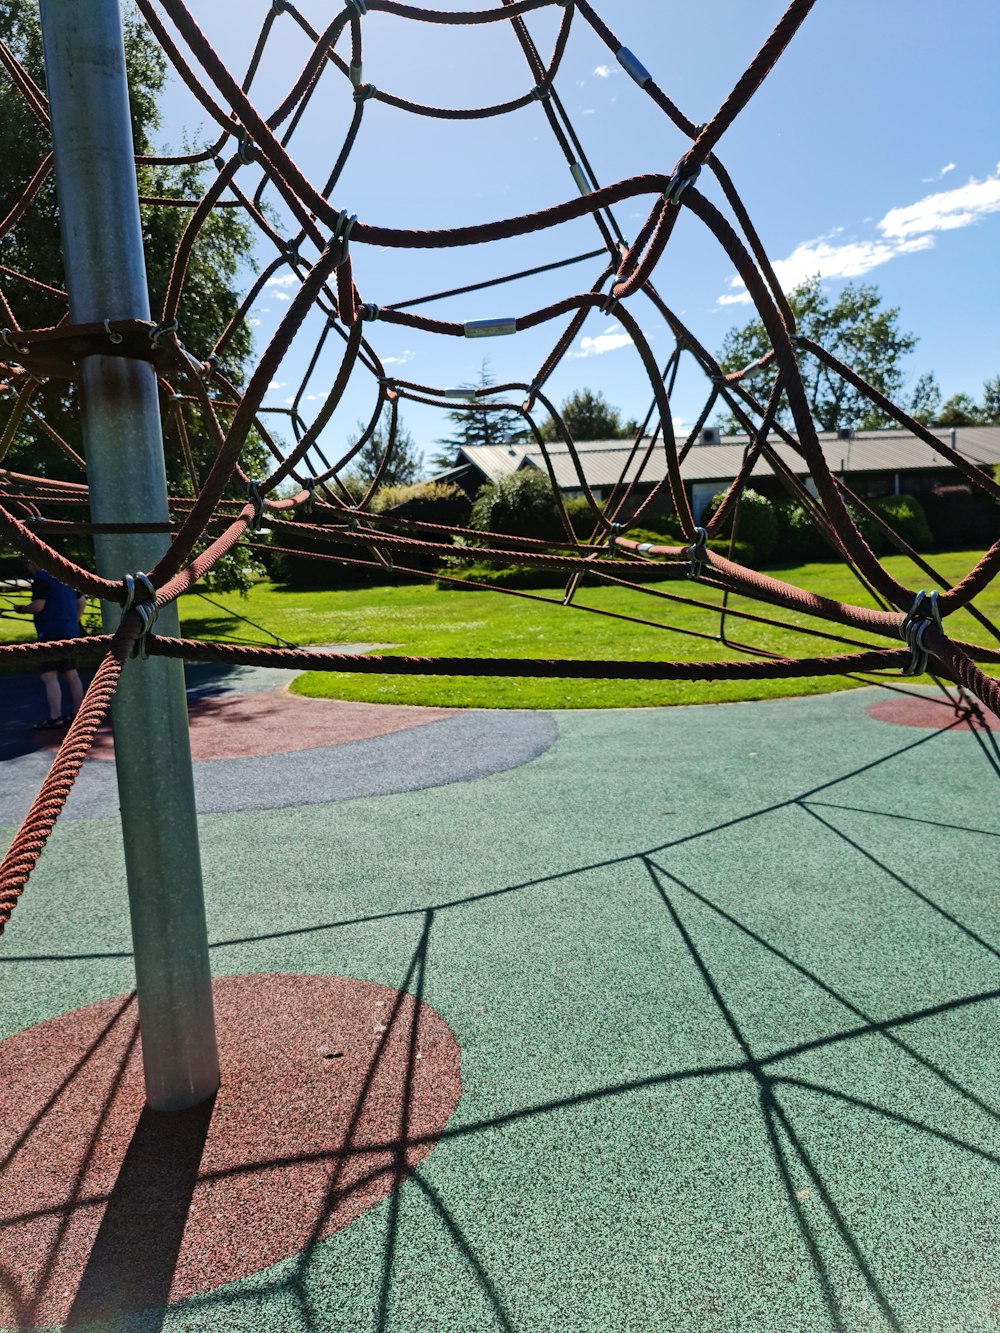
[333,1091]
[932,714]
[247,725]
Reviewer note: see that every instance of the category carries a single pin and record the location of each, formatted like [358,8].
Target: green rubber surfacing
[725,982]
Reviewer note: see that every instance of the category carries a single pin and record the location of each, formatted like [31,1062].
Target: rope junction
[315,252]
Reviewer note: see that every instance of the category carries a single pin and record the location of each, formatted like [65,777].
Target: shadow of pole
[132,1263]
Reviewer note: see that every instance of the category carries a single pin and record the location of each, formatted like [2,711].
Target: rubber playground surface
[668,1019]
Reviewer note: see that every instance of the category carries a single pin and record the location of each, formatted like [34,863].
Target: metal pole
[106,279]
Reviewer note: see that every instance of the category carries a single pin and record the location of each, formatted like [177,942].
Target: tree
[404,459]
[521,504]
[991,402]
[32,249]
[477,425]
[960,409]
[588,416]
[925,399]
[856,329]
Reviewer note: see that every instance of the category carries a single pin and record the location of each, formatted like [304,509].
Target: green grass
[418,619]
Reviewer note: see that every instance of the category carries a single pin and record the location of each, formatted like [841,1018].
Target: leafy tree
[33,248]
[477,425]
[960,409]
[858,330]
[588,416]
[925,399]
[991,402]
[404,458]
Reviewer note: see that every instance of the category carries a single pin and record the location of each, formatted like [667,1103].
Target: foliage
[587,416]
[905,515]
[758,522]
[858,330]
[522,504]
[477,424]
[403,463]
[33,247]
[391,497]
[960,409]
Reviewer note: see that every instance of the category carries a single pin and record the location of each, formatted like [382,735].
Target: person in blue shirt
[56,610]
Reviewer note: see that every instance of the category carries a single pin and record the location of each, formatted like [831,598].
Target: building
[872,463]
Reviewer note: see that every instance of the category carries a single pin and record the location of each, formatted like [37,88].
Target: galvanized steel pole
[106,279]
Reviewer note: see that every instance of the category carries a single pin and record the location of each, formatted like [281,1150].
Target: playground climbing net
[252,167]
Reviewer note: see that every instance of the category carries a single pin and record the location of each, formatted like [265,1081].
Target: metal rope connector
[257,500]
[489,328]
[357,77]
[633,66]
[579,176]
[209,366]
[359,6]
[115,337]
[370,311]
[342,232]
[246,152]
[609,304]
[310,486]
[366,90]
[913,627]
[162,331]
[613,535]
[541,92]
[697,553]
[678,184]
[8,342]
[146,609]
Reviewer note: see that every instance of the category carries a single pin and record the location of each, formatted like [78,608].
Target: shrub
[905,515]
[758,523]
[522,504]
[799,539]
[420,492]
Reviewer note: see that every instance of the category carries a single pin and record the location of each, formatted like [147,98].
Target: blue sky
[871,152]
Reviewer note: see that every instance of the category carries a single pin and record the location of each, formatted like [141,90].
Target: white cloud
[398,360]
[283,280]
[945,211]
[902,231]
[282,296]
[604,71]
[610,340]
[278,384]
[949,166]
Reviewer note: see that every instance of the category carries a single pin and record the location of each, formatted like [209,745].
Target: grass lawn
[417,619]
[420,620]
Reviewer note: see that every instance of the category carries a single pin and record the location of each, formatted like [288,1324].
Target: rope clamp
[541,92]
[310,486]
[146,609]
[257,500]
[613,534]
[246,151]
[342,232]
[913,627]
[356,74]
[8,342]
[609,304]
[369,311]
[678,184]
[359,6]
[697,553]
[364,90]
[579,177]
[115,337]
[208,367]
[162,331]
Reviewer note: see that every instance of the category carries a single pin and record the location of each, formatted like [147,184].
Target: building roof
[603,462]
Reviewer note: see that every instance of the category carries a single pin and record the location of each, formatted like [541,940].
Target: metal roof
[604,461]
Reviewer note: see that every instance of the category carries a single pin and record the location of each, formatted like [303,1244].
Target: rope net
[307,240]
